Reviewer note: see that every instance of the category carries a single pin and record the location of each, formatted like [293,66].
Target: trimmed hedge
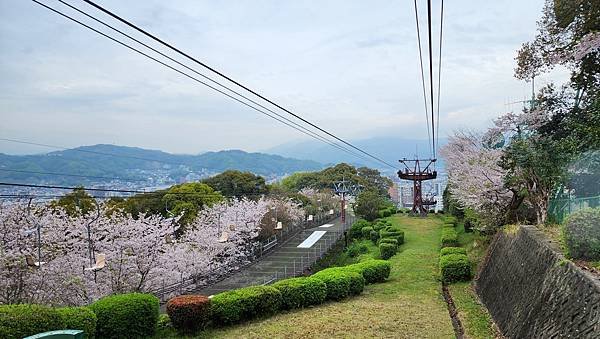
[79,318]
[132,315]
[449,225]
[366,232]
[392,232]
[189,313]
[374,236]
[455,267]
[374,270]
[449,237]
[337,282]
[387,250]
[301,292]
[389,241]
[244,304]
[18,321]
[357,281]
[452,250]
[450,220]
[356,228]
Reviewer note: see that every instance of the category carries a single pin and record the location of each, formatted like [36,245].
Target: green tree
[188,199]
[75,203]
[368,204]
[239,184]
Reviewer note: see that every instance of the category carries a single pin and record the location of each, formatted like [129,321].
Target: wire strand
[439,89]
[423,77]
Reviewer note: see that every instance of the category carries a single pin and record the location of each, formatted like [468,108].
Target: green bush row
[449,237]
[450,219]
[132,315]
[392,232]
[387,250]
[455,267]
[452,250]
[18,321]
[244,304]
[301,292]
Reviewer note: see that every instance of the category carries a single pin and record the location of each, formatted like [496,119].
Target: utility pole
[417,176]
[342,189]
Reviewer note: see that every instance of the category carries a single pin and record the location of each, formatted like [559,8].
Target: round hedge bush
[356,228]
[301,292]
[189,313]
[79,318]
[389,241]
[373,270]
[582,234]
[244,304]
[455,267]
[374,236]
[132,315]
[450,220]
[449,237]
[366,232]
[452,250]
[18,321]
[337,282]
[387,250]
[392,232]
[357,281]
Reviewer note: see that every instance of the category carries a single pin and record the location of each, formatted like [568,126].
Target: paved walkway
[286,260]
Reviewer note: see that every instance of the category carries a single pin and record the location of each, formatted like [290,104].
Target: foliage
[132,315]
[356,228]
[238,184]
[244,304]
[582,234]
[189,313]
[387,250]
[164,322]
[357,281]
[79,318]
[452,250]
[368,204]
[188,199]
[18,321]
[338,283]
[356,248]
[455,267]
[374,236]
[392,232]
[374,271]
[389,241]
[450,220]
[449,237]
[301,292]
[366,232]
[76,203]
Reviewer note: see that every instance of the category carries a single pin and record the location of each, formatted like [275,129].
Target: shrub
[18,321]
[132,315]
[164,322]
[374,236]
[389,241]
[79,318]
[189,313]
[450,220]
[392,232]
[452,250]
[366,232]
[245,303]
[357,281]
[387,250]
[449,225]
[301,292]
[356,228]
[455,267]
[582,234]
[372,270]
[337,282]
[449,237]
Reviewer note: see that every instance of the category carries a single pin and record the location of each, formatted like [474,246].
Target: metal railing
[265,247]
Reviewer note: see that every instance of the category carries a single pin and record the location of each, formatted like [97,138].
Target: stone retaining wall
[531,291]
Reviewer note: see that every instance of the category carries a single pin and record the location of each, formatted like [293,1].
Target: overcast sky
[349,66]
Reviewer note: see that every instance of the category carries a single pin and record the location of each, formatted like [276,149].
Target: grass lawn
[476,321]
[408,305]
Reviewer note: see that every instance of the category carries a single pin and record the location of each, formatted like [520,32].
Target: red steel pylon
[417,176]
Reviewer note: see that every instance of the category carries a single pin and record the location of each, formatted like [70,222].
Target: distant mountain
[149,166]
[390,149]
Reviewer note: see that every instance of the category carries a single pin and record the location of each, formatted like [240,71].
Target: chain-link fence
[559,209]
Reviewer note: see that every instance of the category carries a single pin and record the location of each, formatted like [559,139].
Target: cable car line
[232,80]
[312,133]
[423,76]
[188,76]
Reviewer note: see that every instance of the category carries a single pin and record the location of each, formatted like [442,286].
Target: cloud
[350,66]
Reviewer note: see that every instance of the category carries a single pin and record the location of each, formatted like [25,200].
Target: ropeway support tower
[415,173]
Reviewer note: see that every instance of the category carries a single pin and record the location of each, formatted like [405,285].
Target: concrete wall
[532,292]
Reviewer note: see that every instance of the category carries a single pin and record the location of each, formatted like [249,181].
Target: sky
[351,67]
